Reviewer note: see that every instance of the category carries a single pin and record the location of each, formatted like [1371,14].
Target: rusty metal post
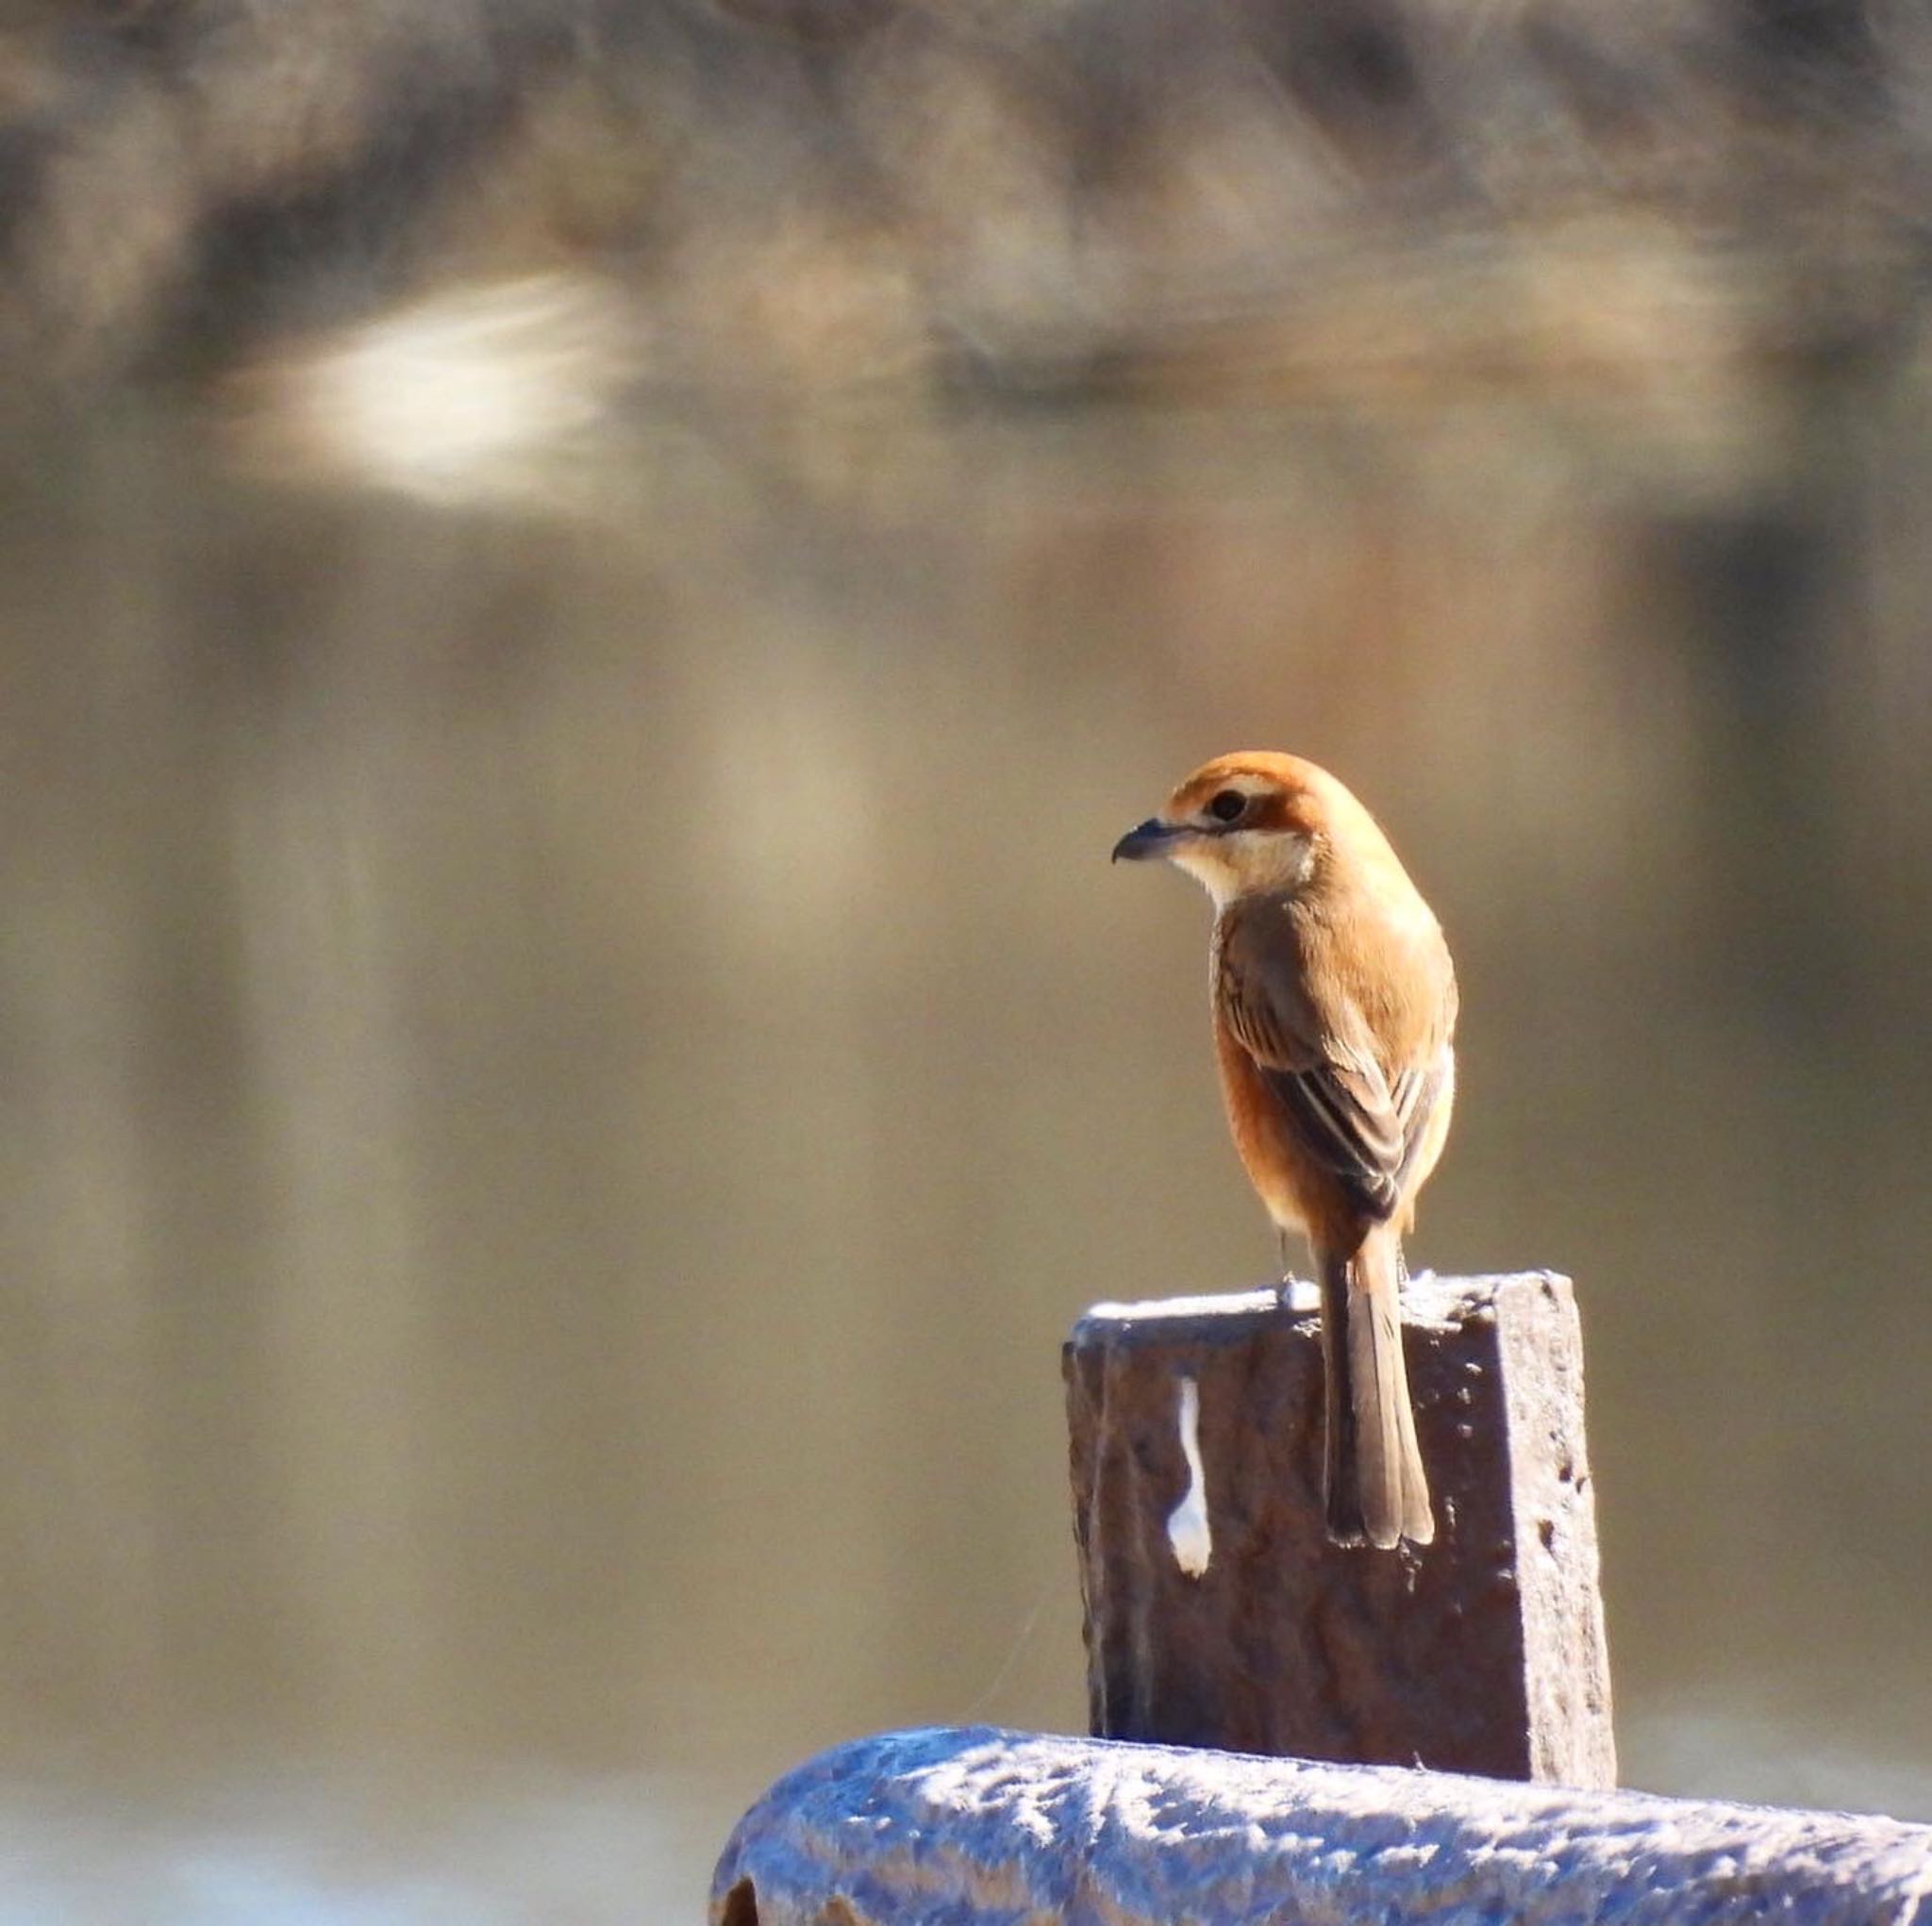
[1217,1612]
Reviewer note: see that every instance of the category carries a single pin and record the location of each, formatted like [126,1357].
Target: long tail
[1373,1478]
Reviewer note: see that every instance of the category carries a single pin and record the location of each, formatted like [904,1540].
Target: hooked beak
[1152,837]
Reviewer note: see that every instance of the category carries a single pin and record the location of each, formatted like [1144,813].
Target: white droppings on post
[1186,1523]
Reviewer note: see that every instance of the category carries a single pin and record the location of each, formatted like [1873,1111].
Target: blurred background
[588,585]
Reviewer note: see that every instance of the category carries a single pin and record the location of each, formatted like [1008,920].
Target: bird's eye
[1227,805]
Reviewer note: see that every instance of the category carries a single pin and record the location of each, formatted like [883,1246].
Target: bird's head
[1243,824]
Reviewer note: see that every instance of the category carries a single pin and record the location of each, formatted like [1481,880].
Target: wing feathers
[1315,1055]
[1355,1137]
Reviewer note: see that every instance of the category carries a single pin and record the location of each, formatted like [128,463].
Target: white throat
[1247,863]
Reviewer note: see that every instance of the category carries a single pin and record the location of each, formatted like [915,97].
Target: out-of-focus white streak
[470,394]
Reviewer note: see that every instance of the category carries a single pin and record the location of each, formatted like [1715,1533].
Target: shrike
[1333,1004]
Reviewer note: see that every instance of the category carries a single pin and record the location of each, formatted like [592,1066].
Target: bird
[1334,1005]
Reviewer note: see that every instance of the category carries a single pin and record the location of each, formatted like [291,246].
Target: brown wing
[1319,1057]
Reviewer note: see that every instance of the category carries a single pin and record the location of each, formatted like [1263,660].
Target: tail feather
[1377,1491]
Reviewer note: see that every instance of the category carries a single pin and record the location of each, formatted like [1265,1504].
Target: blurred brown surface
[856,191]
